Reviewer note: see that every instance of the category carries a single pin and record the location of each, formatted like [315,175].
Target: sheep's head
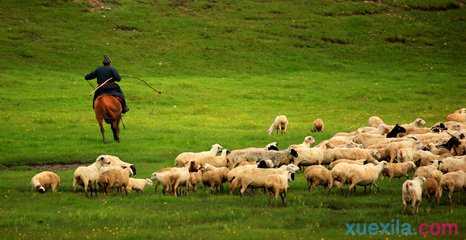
[396,131]
[291,168]
[149,182]
[293,153]
[217,148]
[419,122]
[129,170]
[309,140]
[109,160]
[376,154]
[273,146]
[40,189]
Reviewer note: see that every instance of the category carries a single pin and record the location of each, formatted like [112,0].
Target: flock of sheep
[435,156]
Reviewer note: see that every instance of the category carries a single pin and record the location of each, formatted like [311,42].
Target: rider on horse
[104,73]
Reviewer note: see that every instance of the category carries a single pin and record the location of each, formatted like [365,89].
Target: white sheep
[351,161]
[280,125]
[138,184]
[183,158]
[45,180]
[429,171]
[365,175]
[412,193]
[451,164]
[87,176]
[340,173]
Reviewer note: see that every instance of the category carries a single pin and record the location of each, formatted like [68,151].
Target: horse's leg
[100,120]
[116,130]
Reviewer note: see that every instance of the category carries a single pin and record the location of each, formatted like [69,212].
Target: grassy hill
[226,69]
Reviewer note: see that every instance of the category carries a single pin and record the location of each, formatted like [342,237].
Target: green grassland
[226,69]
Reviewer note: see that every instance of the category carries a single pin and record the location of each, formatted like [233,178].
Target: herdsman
[103,73]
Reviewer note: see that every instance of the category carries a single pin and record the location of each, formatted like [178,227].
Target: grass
[226,70]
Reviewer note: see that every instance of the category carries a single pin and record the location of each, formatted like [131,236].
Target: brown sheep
[398,169]
[431,188]
[318,125]
[115,178]
[318,175]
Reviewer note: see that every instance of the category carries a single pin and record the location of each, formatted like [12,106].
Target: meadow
[226,69]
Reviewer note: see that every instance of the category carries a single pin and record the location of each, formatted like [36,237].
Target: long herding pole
[147,84]
[97,88]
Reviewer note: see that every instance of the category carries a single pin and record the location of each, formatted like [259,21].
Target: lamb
[183,158]
[115,178]
[179,176]
[364,175]
[452,164]
[398,169]
[318,175]
[87,176]
[318,125]
[137,184]
[432,188]
[453,181]
[280,125]
[429,171]
[214,177]
[162,177]
[350,161]
[45,180]
[412,193]
[194,179]
[374,121]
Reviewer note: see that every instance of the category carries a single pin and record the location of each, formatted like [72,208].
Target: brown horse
[108,108]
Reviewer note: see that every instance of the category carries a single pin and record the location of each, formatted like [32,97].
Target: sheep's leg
[283,197]
[175,188]
[244,187]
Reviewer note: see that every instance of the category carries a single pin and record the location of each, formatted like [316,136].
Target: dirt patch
[436,8]
[361,12]
[126,28]
[396,39]
[335,40]
[55,166]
